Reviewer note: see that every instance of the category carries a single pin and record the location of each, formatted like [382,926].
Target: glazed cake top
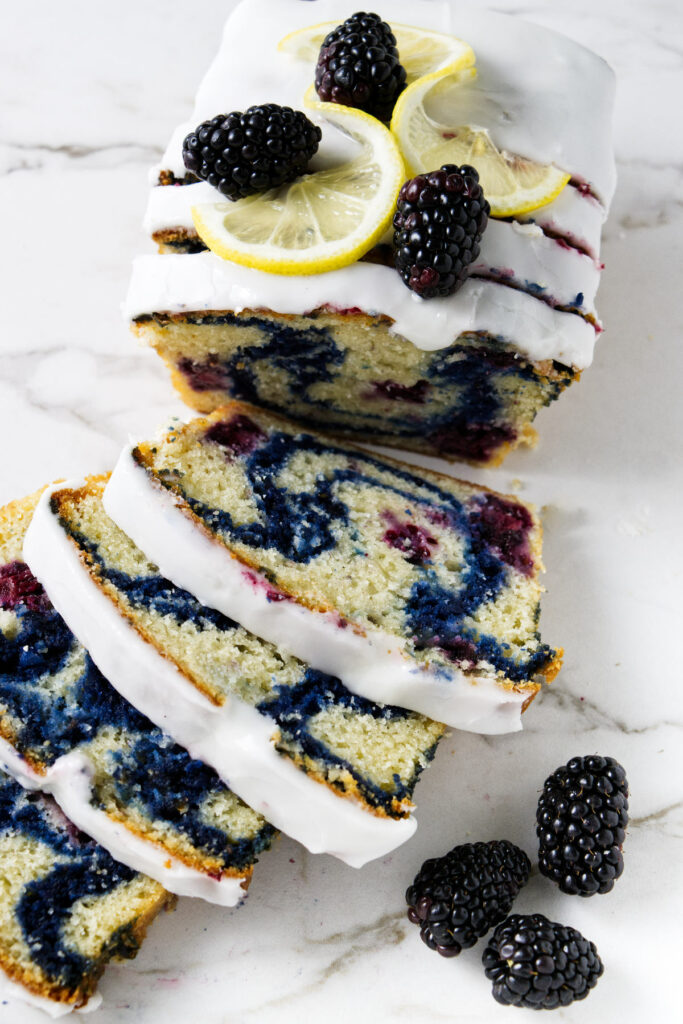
[540,94]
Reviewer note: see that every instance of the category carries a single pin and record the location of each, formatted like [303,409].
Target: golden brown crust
[76,998]
[14,520]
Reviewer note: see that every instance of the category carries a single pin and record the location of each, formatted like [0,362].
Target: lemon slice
[420,50]
[320,221]
[512,184]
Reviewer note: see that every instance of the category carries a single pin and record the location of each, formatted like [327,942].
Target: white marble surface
[92,93]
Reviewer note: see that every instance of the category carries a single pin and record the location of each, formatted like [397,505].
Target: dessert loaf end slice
[66,907]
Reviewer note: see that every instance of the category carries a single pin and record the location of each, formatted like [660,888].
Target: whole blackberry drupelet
[241,154]
[581,820]
[539,964]
[438,224]
[358,66]
[456,898]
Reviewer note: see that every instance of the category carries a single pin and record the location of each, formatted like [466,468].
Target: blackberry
[456,898]
[581,820]
[241,154]
[358,66]
[438,225]
[539,964]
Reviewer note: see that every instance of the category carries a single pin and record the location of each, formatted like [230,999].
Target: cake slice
[415,589]
[352,350]
[65,730]
[329,768]
[66,907]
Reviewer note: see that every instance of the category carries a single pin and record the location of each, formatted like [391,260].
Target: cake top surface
[540,94]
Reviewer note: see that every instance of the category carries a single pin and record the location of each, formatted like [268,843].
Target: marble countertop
[92,93]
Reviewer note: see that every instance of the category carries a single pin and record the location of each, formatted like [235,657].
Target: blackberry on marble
[359,66]
[457,898]
[439,220]
[242,154]
[540,964]
[581,820]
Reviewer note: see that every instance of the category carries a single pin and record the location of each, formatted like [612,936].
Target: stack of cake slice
[248,545]
[221,555]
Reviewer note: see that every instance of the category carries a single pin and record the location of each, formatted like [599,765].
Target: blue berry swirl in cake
[328,767]
[420,591]
[67,907]
[66,730]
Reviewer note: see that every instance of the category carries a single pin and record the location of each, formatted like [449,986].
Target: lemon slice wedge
[320,221]
[430,132]
[420,50]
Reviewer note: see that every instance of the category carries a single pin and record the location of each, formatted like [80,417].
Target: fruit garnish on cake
[435,122]
[289,219]
[421,50]
[319,221]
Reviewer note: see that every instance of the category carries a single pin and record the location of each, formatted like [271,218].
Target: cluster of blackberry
[455,899]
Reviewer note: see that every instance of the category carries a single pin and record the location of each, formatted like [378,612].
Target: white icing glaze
[529,258]
[234,738]
[574,215]
[540,94]
[12,991]
[372,665]
[191,283]
[68,780]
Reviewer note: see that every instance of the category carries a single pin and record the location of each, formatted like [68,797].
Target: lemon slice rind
[512,184]
[321,221]
[421,51]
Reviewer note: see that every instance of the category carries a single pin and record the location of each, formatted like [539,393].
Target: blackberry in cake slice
[414,588]
[67,909]
[330,768]
[65,730]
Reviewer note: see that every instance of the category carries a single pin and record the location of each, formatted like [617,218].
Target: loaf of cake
[65,730]
[413,588]
[352,351]
[67,907]
[331,769]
